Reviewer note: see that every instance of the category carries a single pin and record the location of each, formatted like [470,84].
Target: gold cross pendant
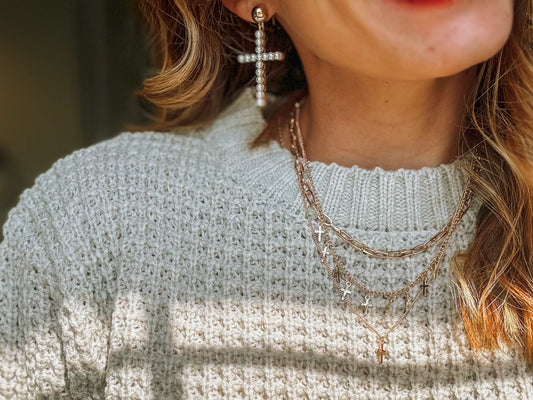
[381,352]
[425,287]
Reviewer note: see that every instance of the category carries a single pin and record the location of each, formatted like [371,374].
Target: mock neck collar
[371,200]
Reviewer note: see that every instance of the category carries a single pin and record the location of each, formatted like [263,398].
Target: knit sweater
[181,266]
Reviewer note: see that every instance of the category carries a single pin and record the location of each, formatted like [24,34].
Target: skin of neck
[354,119]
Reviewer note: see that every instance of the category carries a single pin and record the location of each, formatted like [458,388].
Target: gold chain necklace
[325,247]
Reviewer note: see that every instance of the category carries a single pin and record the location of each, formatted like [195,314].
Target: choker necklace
[344,282]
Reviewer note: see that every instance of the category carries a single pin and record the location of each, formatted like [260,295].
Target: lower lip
[425,3]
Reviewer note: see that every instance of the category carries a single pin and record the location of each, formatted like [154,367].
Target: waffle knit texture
[181,266]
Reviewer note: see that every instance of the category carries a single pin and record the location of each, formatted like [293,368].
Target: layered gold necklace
[346,284]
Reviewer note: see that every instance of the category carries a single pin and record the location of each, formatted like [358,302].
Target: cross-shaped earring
[260,57]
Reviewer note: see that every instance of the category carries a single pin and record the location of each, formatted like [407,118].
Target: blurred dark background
[68,72]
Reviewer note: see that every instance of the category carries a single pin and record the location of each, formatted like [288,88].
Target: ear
[243,8]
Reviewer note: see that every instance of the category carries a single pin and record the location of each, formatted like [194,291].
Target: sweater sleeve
[57,263]
[31,365]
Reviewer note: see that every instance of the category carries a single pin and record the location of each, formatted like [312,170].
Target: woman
[365,235]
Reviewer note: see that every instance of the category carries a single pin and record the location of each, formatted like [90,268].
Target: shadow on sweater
[168,366]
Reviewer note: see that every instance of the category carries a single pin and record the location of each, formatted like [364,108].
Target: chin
[450,61]
[435,71]
[434,38]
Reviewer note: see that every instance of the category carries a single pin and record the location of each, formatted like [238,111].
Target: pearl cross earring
[260,57]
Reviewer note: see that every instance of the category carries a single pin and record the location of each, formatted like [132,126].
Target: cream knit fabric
[165,266]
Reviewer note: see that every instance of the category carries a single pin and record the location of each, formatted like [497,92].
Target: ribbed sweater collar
[371,200]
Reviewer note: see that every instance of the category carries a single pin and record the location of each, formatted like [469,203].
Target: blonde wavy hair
[197,43]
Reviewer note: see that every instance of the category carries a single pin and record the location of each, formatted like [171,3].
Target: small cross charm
[425,287]
[366,304]
[336,274]
[325,252]
[381,352]
[319,232]
[346,291]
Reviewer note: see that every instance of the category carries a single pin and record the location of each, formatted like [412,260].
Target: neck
[356,120]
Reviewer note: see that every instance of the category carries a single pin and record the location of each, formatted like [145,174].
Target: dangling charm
[346,290]
[260,57]
[337,273]
[425,287]
[366,305]
[381,352]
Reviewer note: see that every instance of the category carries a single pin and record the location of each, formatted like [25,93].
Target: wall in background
[68,70]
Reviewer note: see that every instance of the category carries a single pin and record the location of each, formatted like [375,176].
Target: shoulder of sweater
[90,179]
[86,186]
[234,128]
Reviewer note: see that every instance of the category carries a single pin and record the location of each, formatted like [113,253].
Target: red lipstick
[422,3]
